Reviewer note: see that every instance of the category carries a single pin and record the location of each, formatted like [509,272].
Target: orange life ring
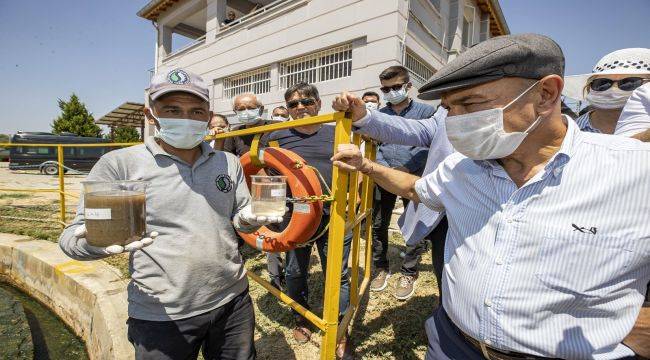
[302,181]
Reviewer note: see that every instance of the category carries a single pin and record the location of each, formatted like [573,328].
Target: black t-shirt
[240,145]
[317,149]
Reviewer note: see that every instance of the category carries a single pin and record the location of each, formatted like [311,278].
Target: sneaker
[405,286]
[380,280]
[301,332]
[344,349]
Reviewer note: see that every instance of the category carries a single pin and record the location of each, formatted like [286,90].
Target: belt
[491,353]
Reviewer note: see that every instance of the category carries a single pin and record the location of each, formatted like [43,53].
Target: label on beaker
[279,192]
[301,208]
[98,214]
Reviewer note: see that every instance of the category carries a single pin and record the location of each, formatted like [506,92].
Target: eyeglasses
[627,84]
[305,102]
[387,89]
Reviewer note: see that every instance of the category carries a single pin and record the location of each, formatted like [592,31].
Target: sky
[102,51]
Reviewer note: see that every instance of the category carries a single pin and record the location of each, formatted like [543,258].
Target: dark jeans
[382,211]
[297,270]
[275,268]
[438,237]
[225,333]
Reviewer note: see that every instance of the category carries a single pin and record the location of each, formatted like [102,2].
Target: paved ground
[35,180]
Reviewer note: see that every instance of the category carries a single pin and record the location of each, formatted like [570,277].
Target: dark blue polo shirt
[412,158]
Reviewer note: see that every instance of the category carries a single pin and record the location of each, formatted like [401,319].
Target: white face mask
[279,118]
[371,105]
[480,135]
[181,133]
[612,98]
[396,97]
[248,116]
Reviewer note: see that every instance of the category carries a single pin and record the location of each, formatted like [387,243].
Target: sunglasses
[305,102]
[627,84]
[387,89]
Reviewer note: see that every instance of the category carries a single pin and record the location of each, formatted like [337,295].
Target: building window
[330,64]
[468,26]
[256,81]
[419,71]
[485,27]
[436,4]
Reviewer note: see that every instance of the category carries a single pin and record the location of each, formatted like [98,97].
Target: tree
[75,119]
[125,134]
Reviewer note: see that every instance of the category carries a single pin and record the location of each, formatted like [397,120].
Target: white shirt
[635,117]
[417,221]
[558,267]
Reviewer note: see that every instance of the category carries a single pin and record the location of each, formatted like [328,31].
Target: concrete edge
[88,296]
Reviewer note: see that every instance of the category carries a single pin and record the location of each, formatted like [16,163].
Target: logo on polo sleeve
[178,77]
[224,183]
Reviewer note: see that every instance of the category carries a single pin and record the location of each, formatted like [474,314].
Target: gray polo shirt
[194,265]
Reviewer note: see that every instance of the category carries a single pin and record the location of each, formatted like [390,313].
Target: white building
[335,44]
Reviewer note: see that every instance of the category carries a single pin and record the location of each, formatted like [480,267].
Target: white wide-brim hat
[632,61]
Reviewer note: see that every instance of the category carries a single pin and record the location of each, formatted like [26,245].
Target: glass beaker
[269,195]
[115,212]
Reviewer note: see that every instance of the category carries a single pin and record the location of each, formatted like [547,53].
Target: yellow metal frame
[344,217]
[60,158]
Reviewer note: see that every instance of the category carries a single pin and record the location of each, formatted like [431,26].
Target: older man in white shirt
[547,254]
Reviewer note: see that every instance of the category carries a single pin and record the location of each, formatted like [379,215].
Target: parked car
[44,158]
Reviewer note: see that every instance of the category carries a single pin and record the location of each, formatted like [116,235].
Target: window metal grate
[256,81]
[320,66]
[418,70]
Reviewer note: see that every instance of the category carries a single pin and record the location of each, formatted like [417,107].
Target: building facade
[335,44]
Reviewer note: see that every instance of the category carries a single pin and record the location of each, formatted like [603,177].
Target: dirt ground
[34,180]
[385,328]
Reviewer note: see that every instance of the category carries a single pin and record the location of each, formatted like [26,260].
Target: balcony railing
[258,13]
[198,41]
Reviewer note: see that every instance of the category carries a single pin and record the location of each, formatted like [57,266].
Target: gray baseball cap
[164,82]
[530,56]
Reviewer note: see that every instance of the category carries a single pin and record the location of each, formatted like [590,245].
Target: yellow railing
[60,162]
[344,217]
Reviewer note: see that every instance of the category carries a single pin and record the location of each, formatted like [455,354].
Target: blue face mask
[181,133]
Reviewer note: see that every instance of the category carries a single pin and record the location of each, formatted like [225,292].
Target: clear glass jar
[269,195]
[114,211]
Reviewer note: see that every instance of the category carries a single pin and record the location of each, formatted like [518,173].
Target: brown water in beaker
[114,217]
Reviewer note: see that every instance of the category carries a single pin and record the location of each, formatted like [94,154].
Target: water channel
[50,337]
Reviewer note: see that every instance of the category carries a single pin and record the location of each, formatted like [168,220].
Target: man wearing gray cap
[189,288]
[547,253]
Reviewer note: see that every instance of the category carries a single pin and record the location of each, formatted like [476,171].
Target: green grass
[13,195]
[385,328]
[10,222]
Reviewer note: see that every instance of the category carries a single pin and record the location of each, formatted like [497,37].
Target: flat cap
[530,56]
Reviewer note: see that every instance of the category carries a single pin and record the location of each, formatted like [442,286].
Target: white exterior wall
[379,30]
[303,27]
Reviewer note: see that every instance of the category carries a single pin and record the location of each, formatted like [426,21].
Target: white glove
[246,215]
[118,249]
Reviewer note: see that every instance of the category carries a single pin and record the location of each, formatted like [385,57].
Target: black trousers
[225,333]
[438,237]
[382,211]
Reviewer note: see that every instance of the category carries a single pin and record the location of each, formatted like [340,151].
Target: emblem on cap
[178,77]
